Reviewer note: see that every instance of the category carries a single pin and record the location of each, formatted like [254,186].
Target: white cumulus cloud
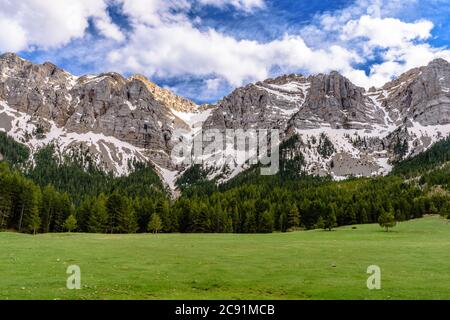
[178,49]
[164,40]
[387,32]
[48,24]
[246,5]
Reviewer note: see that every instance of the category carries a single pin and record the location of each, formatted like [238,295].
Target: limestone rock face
[125,109]
[342,129]
[368,130]
[106,104]
[264,105]
[421,95]
[42,90]
[334,101]
[166,97]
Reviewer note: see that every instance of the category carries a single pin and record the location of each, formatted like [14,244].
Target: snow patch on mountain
[113,154]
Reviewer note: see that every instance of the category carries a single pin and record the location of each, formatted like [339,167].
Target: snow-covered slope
[110,152]
[343,130]
[367,130]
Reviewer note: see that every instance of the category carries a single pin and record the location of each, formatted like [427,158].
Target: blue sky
[203,49]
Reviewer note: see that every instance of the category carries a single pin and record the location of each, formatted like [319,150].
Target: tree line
[58,194]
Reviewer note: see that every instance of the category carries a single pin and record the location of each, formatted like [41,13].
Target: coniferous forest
[55,193]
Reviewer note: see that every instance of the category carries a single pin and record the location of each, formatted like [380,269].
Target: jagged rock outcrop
[122,108]
[264,105]
[41,90]
[369,130]
[166,97]
[343,129]
[106,104]
[421,95]
[334,101]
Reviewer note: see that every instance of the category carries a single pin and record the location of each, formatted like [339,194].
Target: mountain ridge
[120,119]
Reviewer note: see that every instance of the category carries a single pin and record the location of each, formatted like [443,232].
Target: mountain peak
[439,62]
[135,118]
[11,58]
[166,97]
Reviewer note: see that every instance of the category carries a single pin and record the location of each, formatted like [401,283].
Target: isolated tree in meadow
[155,224]
[71,223]
[387,220]
[35,222]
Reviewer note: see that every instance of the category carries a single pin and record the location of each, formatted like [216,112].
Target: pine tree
[29,201]
[64,208]
[84,213]
[266,223]
[320,223]
[282,222]
[144,208]
[121,214]
[250,223]
[33,220]
[155,224]
[71,223]
[168,220]
[98,218]
[387,220]
[293,218]
[203,220]
[329,217]
[5,208]
[48,207]
[127,218]
[228,228]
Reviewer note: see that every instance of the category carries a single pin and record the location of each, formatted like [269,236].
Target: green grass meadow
[414,259]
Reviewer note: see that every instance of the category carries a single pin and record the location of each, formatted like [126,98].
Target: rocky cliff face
[334,101]
[366,131]
[421,95]
[120,119]
[166,97]
[107,104]
[264,105]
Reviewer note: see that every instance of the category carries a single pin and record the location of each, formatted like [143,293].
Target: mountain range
[118,119]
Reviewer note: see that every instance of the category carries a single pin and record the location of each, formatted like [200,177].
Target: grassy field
[414,259]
